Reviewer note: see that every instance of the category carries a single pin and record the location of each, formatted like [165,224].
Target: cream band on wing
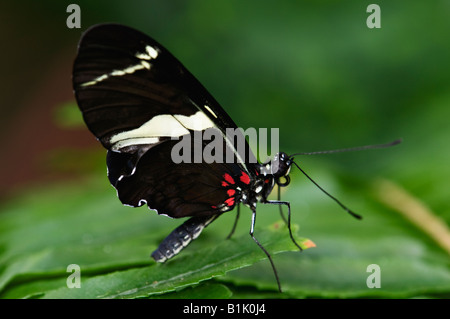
[161,125]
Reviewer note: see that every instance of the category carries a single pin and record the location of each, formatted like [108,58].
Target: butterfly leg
[280,203]
[181,237]
[280,206]
[235,222]
[252,229]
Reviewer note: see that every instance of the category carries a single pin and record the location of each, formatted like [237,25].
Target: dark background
[316,71]
[313,70]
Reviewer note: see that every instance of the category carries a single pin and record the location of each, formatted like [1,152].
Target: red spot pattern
[227,182]
[228,178]
[230,201]
[245,178]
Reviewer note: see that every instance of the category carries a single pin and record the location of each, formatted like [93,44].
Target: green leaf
[202,291]
[51,229]
[411,263]
[185,270]
[47,230]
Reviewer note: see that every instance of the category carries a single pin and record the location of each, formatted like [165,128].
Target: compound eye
[283,181]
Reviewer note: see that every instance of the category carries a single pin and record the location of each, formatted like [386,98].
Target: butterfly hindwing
[175,189]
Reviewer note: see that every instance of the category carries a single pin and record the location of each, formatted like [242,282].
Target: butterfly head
[278,169]
[281,167]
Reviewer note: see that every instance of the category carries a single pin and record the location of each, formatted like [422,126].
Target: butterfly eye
[283,181]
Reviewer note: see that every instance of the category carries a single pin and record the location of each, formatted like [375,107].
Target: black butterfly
[138,100]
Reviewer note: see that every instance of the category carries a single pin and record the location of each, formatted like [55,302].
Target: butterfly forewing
[123,80]
[136,97]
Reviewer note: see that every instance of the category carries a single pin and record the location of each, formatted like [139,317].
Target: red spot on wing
[231,192]
[213,207]
[225,184]
[245,178]
[228,178]
[230,201]
[267,181]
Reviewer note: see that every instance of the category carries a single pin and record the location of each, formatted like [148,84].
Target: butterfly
[139,101]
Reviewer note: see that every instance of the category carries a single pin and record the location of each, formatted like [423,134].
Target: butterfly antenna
[352,149]
[329,195]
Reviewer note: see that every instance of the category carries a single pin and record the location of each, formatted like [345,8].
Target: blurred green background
[312,69]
